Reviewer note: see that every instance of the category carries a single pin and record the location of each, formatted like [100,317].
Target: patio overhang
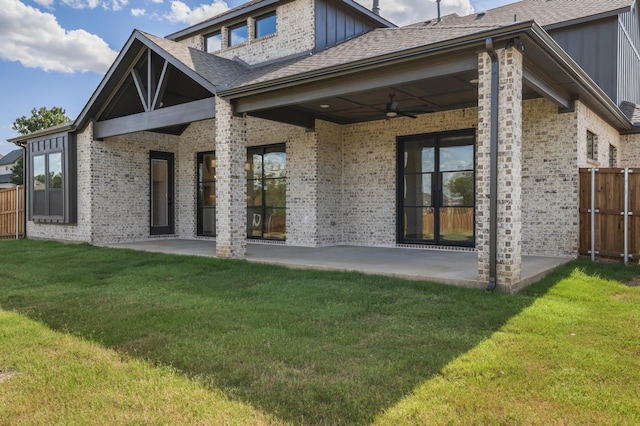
[435,77]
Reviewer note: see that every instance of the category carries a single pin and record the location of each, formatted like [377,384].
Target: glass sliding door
[161,181]
[266,192]
[206,194]
[436,189]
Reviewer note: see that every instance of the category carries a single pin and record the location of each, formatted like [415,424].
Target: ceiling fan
[392,109]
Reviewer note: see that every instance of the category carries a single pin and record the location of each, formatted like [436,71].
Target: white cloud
[46,3]
[181,12]
[114,5]
[52,47]
[156,1]
[82,4]
[138,12]
[405,12]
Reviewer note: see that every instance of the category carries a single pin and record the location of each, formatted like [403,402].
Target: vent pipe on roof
[376,7]
[439,16]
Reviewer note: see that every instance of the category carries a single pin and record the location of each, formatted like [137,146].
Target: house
[6,168]
[318,122]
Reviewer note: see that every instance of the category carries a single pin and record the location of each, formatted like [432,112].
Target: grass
[92,333]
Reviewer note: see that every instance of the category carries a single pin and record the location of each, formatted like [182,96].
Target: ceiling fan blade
[406,114]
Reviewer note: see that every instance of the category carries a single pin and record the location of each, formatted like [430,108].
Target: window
[207,194]
[266,25]
[591,146]
[266,192]
[52,179]
[238,34]
[613,156]
[213,42]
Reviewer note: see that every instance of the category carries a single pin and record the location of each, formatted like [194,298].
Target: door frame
[436,206]
[169,157]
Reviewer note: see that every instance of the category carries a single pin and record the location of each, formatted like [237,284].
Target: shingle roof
[11,157]
[632,111]
[6,178]
[378,42]
[219,71]
[544,12]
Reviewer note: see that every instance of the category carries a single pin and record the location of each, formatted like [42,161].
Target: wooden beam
[140,87]
[164,77]
[163,117]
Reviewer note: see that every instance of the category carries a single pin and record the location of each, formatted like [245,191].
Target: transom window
[238,34]
[265,25]
[213,42]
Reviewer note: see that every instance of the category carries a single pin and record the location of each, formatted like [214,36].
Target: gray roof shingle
[6,178]
[544,12]
[632,111]
[218,71]
[11,157]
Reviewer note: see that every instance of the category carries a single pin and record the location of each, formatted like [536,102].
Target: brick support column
[231,183]
[509,112]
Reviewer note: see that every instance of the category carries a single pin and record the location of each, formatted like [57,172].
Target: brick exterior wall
[629,152]
[294,34]
[604,133]
[369,172]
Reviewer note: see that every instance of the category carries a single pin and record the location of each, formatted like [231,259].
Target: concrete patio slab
[447,267]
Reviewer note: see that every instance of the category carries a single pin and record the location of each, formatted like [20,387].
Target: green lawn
[94,335]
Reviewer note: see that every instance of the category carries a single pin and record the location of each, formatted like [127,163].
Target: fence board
[609,217]
[11,213]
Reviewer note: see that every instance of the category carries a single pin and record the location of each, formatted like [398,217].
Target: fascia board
[230,16]
[586,19]
[446,46]
[568,65]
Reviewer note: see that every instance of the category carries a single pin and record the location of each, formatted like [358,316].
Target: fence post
[593,214]
[17,211]
[626,215]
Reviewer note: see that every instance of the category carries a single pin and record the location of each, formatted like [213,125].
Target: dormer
[265,30]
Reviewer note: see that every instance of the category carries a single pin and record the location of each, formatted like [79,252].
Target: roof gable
[204,71]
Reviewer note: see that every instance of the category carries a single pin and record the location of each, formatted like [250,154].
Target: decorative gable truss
[149,89]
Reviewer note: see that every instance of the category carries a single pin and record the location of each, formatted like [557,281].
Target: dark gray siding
[594,47]
[629,56]
[335,24]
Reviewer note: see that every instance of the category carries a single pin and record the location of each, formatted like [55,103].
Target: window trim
[261,17]
[200,160]
[591,145]
[65,145]
[230,29]
[211,35]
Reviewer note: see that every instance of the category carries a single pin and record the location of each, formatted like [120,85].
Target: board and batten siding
[335,25]
[629,56]
[593,46]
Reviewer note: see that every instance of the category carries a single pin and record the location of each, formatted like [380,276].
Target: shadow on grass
[309,347]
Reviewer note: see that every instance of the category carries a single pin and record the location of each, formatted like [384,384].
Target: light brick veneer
[509,168]
[294,34]
[629,152]
[231,183]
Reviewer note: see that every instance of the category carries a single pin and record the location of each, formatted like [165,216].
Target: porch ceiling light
[391,114]
[324,106]
[474,81]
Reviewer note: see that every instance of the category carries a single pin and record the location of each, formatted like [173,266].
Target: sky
[55,52]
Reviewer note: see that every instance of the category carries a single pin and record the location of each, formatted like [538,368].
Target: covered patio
[447,267]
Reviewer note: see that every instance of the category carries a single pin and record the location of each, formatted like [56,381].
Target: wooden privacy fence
[12,213]
[610,213]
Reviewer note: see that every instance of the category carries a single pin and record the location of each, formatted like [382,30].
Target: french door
[161,188]
[436,188]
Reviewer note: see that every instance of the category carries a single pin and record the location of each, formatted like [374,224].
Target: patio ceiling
[436,79]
